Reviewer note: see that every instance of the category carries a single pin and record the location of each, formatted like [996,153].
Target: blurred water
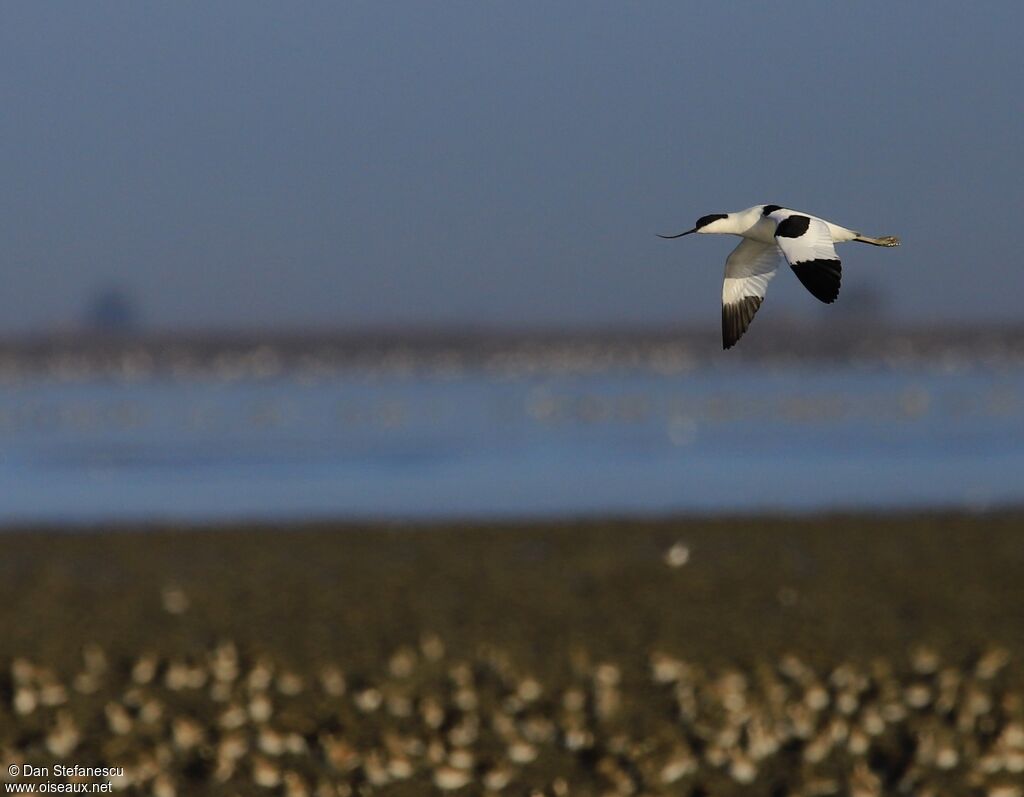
[364,444]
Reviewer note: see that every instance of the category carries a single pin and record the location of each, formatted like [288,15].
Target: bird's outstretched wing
[808,246]
[748,269]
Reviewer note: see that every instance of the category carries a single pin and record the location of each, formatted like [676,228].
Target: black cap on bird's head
[703,221]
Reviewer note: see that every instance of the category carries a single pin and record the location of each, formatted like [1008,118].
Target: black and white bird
[807,242]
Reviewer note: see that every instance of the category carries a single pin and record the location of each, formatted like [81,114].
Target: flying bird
[807,243]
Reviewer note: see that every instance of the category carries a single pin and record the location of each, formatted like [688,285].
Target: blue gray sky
[254,164]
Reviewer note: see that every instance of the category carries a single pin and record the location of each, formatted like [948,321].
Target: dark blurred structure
[111,311]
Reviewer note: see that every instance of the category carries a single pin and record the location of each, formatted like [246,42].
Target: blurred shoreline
[217,428]
[84,354]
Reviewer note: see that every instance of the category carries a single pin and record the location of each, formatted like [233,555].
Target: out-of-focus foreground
[838,655]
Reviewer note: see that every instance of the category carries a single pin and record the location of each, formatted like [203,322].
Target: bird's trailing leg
[885,240]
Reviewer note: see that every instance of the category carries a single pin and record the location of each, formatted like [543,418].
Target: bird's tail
[885,240]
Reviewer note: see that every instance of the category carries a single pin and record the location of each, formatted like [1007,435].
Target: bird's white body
[806,241]
[753,224]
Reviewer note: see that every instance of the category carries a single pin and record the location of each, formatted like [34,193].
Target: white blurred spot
[678,555]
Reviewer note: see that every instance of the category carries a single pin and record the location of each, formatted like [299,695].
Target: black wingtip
[821,277]
[736,318]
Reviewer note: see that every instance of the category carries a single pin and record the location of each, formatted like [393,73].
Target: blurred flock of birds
[311,358]
[434,720]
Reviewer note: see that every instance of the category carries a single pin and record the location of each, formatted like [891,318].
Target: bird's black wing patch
[770,209]
[821,277]
[792,226]
[736,317]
